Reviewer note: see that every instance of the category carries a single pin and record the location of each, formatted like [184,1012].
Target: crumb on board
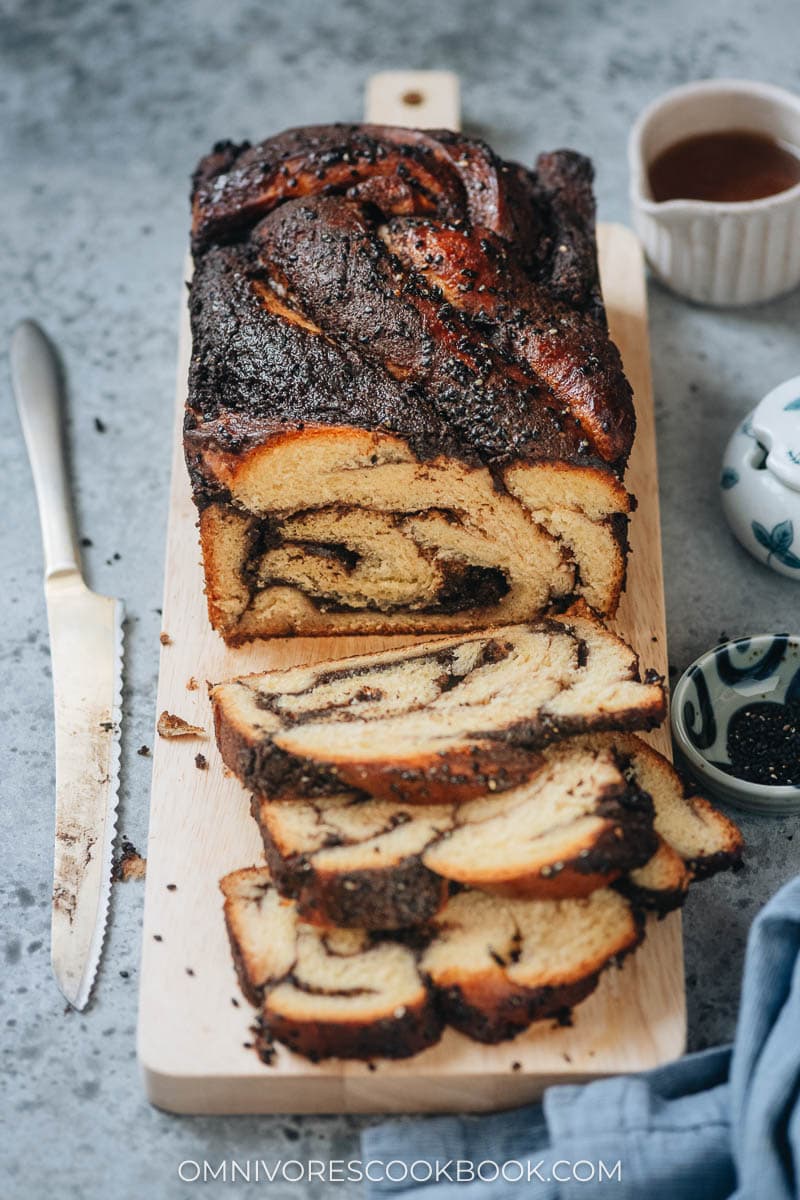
[128,864]
[170,726]
[201,762]
[144,751]
[191,684]
[165,639]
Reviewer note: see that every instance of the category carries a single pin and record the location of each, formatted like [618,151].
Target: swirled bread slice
[488,966]
[324,993]
[348,859]
[498,965]
[405,412]
[600,808]
[696,840]
[440,721]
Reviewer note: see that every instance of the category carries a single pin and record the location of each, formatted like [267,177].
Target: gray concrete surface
[105,108]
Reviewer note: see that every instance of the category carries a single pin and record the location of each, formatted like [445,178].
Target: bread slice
[599,808]
[347,859]
[324,993]
[498,965]
[696,840]
[488,966]
[443,720]
[661,885]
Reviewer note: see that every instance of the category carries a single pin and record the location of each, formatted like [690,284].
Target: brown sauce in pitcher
[730,166]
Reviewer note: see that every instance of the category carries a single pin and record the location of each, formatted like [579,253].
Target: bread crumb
[165,639]
[129,864]
[201,762]
[191,684]
[170,726]
[144,751]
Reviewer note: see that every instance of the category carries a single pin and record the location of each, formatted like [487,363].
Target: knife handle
[38,391]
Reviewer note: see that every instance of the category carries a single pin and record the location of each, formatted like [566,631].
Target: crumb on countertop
[191,684]
[201,762]
[144,751]
[164,638]
[128,864]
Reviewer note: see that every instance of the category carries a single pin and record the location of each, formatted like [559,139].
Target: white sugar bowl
[760,480]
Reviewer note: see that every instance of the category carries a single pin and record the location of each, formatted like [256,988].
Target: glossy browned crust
[405,894]
[427,289]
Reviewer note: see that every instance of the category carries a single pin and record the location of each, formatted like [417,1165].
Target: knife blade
[86,652]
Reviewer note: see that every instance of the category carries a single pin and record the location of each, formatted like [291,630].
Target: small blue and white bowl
[711,690]
[760,480]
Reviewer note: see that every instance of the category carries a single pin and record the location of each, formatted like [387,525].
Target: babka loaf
[488,966]
[443,720]
[405,413]
[597,808]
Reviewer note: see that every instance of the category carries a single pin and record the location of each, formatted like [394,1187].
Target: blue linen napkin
[717,1125]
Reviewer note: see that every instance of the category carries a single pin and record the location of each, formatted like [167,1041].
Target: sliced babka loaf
[405,413]
[486,965]
[439,721]
[598,808]
[325,993]
[347,859]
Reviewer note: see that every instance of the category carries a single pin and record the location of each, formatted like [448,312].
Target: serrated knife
[86,651]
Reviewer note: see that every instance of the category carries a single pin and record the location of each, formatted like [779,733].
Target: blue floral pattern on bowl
[760,480]
[712,690]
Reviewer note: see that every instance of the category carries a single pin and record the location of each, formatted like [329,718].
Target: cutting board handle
[422,99]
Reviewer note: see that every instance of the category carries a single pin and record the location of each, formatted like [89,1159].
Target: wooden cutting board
[193,1021]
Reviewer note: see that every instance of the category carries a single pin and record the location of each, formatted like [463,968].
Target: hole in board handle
[413,99]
